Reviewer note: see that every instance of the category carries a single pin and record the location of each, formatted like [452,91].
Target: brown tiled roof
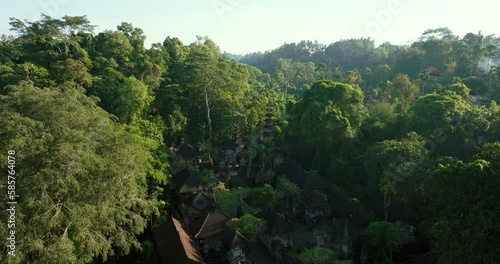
[174,245]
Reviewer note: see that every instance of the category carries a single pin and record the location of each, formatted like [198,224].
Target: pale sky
[244,26]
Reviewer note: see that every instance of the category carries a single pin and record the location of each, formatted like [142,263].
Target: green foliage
[114,46]
[383,113]
[127,98]
[248,225]
[207,178]
[133,97]
[464,225]
[458,88]
[89,182]
[72,71]
[436,111]
[328,117]
[209,87]
[7,75]
[490,152]
[264,197]
[228,200]
[383,239]
[396,163]
[83,190]
[147,247]
[31,72]
[384,121]
[402,92]
[286,189]
[48,40]
[265,177]
[338,191]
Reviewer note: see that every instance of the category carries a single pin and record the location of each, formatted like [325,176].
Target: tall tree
[402,92]
[396,167]
[324,121]
[464,226]
[83,192]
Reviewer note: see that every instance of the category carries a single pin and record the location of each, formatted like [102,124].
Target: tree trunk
[209,120]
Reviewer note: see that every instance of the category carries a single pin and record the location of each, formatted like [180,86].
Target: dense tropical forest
[310,153]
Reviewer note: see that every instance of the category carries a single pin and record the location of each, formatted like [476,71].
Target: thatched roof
[187,152]
[239,240]
[186,182]
[209,225]
[201,202]
[174,245]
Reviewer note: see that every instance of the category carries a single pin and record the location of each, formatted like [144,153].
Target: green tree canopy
[264,197]
[395,165]
[464,226]
[248,225]
[81,177]
[324,121]
[383,238]
[402,92]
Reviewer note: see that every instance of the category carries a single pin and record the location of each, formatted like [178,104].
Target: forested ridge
[406,137]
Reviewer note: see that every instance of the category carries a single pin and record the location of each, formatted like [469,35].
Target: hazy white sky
[244,26]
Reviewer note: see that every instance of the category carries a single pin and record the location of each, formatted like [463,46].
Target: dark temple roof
[210,225]
[186,182]
[201,201]
[187,151]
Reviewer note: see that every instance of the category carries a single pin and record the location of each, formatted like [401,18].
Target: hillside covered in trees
[309,153]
